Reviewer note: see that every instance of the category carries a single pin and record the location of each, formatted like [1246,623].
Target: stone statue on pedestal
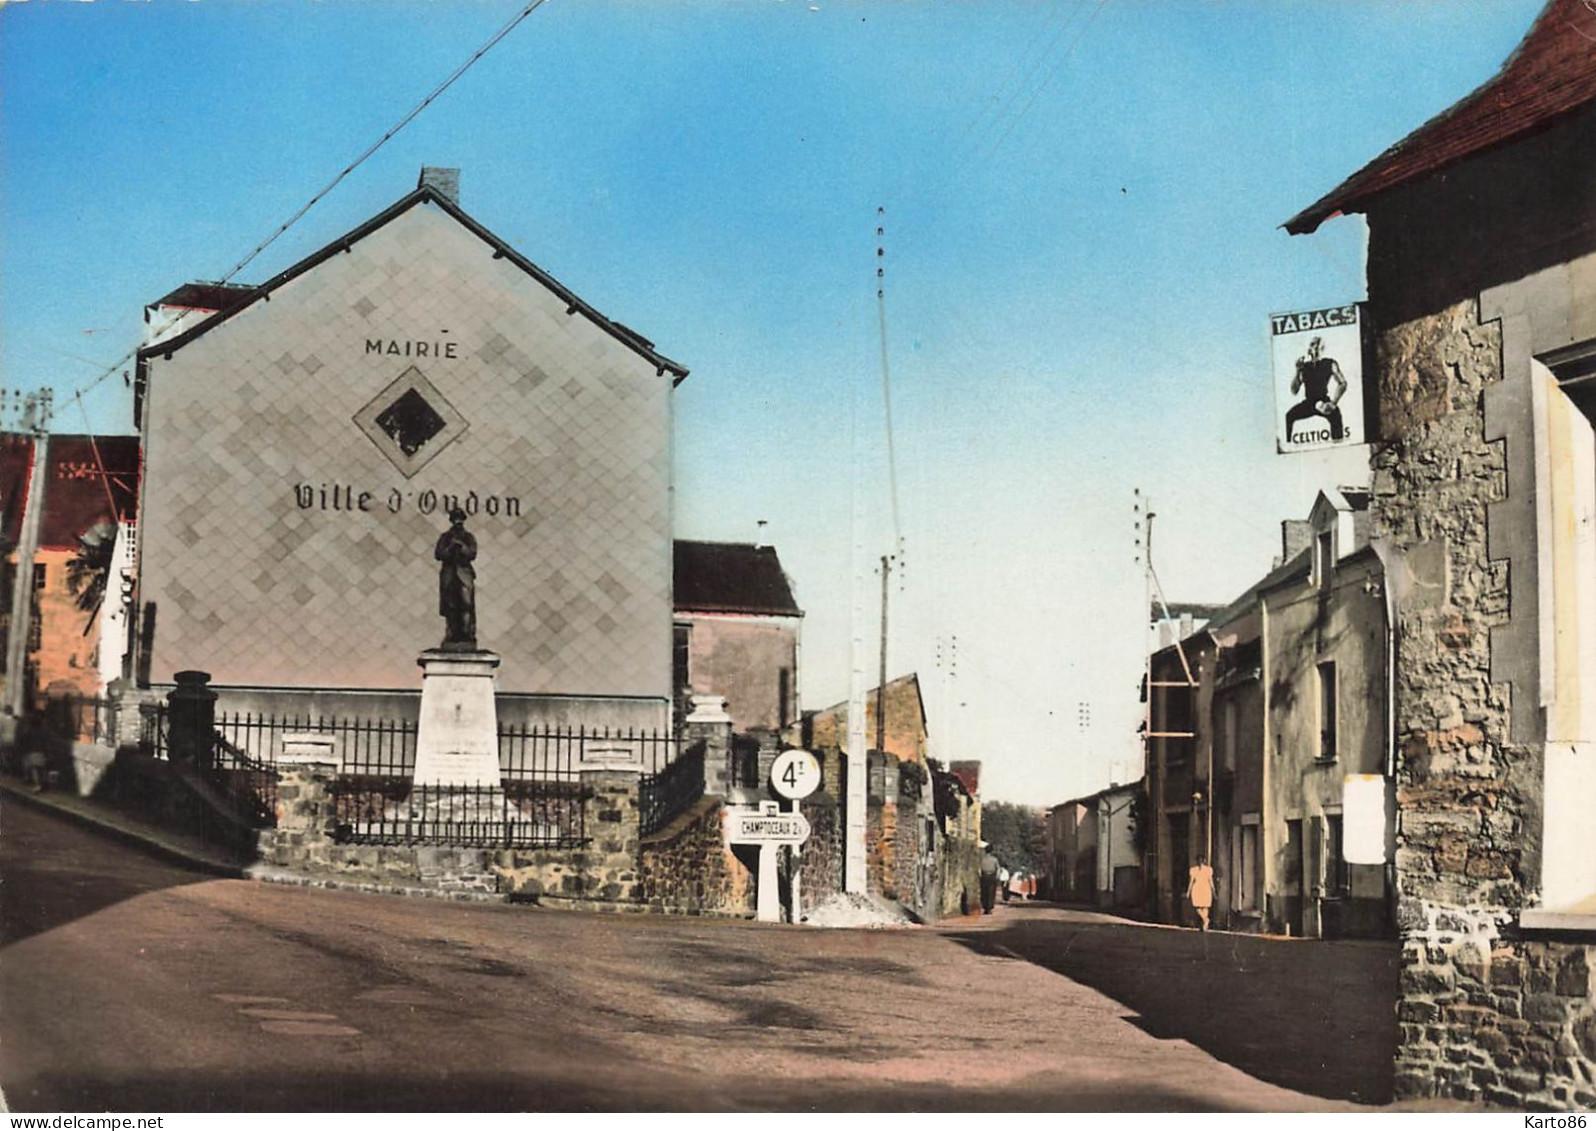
[457,584]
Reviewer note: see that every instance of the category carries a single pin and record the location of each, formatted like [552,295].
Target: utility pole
[36,423]
[881,685]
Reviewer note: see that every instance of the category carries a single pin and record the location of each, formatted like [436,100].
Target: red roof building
[1551,74]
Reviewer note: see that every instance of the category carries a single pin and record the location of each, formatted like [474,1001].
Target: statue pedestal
[457,739]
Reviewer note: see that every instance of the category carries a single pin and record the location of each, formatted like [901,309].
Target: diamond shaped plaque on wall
[411,422]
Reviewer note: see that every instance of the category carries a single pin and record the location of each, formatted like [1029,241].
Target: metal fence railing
[75,718]
[465,816]
[666,795]
[250,784]
[376,801]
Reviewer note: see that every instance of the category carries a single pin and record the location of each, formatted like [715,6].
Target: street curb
[131,837]
[265,874]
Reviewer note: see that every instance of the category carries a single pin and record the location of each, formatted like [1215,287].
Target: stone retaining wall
[688,869]
[606,871]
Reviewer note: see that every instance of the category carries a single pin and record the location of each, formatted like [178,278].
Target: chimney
[1296,535]
[445,182]
[1187,625]
[759,538]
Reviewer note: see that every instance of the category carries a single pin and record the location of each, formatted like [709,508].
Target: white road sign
[750,826]
[795,774]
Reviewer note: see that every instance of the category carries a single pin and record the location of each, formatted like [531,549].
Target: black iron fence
[369,747]
[375,800]
[248,783]
[665,795]
[742,763]
[75,718]
[461,816]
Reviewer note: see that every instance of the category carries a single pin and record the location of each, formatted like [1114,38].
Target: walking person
[1200,889]
[989,881]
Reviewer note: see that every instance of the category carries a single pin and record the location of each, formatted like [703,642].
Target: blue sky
[1082,201]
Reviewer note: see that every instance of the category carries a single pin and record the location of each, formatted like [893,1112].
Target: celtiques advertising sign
[1318,369]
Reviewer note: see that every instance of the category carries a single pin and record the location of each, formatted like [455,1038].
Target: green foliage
[1015,833]
[89,570]
[1140,821]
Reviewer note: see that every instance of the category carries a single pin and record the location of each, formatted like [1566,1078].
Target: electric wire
[459,71]
[409,117]
[437,91]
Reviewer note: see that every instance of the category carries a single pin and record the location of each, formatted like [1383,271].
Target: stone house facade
[1324,659]
[1482,290]
[737,632]
[1090,849]
[1257,725]
[89,508]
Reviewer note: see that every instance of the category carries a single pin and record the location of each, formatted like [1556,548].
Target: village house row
[1268,755]
[1394,731]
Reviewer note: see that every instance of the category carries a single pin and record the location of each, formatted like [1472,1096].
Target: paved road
[1319,1017]
[133,985]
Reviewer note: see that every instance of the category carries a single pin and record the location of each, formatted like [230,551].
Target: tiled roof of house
[207,296]
[732,577]
[1552,72]
[75,492]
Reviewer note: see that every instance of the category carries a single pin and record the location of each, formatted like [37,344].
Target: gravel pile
[847,910]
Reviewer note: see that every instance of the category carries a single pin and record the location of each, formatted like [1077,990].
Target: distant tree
[1139,821]
[1015,833]
[89,570]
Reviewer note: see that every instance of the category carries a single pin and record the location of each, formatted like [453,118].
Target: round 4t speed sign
[795,774]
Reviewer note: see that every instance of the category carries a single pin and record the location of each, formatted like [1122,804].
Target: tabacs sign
[1318,370]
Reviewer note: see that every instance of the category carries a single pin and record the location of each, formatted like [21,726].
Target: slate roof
[75,496]
[207,296]
[1551,73]
[968,774]
[732,577]
[423,194]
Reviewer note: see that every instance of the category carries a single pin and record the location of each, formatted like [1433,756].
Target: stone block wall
[910,863]
[303,842]
[821,872]
[687,868]
[604,872]
[1486,1012]
[1484,1017]
[959,875]
[881,857]
[607,871]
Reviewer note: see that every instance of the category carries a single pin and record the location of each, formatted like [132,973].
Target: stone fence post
[191,719]
[613,819]
[306,769]
[131,707]
[710,722]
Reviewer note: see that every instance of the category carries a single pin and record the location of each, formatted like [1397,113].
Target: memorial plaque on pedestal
[457,739]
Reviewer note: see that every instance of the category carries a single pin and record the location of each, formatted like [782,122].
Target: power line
[886,380]
[383,140]
[1050,76]
[454,77]
[1041,45]
[1031,73]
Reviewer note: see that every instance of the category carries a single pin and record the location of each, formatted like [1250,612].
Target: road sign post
[795,774]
